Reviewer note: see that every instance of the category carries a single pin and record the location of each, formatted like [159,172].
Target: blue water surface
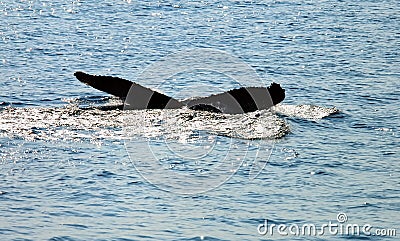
[326,53]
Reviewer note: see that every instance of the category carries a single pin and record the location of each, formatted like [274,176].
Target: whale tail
[112,85]
[135,96]
[236,101]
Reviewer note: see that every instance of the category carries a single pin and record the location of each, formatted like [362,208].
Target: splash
[72,123]
[310,112]
[75,122]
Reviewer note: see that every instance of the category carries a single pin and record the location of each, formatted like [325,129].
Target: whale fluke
[135,95]
[236,101]
[242,100]
[113,85]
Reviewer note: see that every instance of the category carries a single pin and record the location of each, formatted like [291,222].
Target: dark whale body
[236,101]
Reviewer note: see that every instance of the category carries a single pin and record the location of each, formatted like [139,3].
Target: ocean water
[328,153]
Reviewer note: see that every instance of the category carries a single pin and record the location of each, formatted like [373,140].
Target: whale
[138,97]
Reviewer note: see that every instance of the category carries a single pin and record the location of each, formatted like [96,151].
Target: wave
[310,112]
